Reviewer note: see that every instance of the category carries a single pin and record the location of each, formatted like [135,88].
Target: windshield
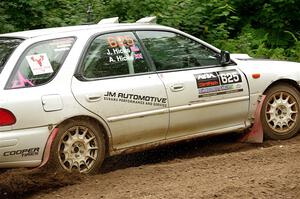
[7,46]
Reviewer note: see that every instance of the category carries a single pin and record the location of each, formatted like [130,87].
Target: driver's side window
[173,51]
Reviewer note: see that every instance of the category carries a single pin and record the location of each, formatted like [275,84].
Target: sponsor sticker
[23,152]
[135,99]
[39,64]
[122,49]
[218,83]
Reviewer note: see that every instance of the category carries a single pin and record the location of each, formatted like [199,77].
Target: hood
[246,62]
[270,70]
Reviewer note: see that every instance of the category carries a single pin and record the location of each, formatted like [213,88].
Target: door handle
[177,87]
[93,98]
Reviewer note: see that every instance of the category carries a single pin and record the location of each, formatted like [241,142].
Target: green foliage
[208,20]
[278,17]
[34,14]
[261,28]
[132,10]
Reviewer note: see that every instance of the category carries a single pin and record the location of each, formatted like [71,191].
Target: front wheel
[280,112]
[79,146]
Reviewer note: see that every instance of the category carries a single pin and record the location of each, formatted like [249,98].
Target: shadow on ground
[183,150]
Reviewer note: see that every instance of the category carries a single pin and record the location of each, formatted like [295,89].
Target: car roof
[105,24]
[51,31]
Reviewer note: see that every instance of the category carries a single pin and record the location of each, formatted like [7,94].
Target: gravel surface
[218,167]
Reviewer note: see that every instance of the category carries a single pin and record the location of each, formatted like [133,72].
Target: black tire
[280,114]
[79,146]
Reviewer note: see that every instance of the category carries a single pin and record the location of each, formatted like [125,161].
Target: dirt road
[214,168]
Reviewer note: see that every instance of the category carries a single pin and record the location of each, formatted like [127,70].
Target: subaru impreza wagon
[72,96]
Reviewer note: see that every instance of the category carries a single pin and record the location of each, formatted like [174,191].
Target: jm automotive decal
[218,83]
[135,99]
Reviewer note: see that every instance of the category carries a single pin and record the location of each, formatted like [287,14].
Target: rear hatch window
[7,46]
[40,63]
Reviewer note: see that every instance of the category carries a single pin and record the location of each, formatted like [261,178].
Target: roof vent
[109,20]
[147,20]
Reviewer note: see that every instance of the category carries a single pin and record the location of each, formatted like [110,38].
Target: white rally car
[72,96]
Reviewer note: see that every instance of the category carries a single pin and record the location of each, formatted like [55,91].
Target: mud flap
[46,155]
[256,134]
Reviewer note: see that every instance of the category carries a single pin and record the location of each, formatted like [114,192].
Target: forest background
[260,28]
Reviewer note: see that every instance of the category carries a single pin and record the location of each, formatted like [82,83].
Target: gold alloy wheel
[281,112]
[78,149]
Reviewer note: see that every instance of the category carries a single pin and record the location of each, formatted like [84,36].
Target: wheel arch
[102,126]
[280,81]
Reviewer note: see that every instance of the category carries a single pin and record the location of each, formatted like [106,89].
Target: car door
[116,83]
[204,97]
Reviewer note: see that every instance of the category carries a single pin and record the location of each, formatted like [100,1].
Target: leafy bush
[261,28]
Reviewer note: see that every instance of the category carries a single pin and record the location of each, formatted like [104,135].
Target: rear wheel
[280,112]
[79,146]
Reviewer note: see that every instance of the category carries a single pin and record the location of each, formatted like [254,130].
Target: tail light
[6,117]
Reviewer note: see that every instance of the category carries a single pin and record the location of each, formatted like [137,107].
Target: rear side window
[114,54]
[7,46]
[40,63]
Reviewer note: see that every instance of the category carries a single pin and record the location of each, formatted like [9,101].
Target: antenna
[89,13]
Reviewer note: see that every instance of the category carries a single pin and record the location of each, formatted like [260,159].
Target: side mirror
[225,58]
